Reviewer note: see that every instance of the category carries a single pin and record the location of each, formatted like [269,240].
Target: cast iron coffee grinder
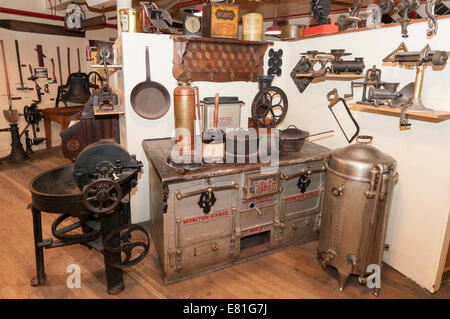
[95,190]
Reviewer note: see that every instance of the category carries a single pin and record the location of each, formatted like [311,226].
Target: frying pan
[150,99]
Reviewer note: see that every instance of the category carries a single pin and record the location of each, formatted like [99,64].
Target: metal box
[220,21]
[229,114]
[256,210]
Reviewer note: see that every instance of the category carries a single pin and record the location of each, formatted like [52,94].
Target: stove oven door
[301,201]
[203,224]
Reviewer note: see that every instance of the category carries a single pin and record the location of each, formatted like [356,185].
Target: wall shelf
[434,116]
[107,111]
[217,60]
[390,25]
[100,66]
[331,76]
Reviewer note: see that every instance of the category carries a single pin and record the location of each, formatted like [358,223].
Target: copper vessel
[184,108]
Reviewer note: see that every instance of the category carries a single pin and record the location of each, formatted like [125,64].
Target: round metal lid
[355,161]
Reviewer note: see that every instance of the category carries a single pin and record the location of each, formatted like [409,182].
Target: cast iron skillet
[150,99]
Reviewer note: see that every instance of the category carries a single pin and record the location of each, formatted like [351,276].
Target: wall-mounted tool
[431,18]
[375,92]
[333,98]
[12,116]
[405,7]
[411,93]
[68,61]
[105,97]
[275,62]
[40,73]
[58,53]
[270,105]
[19,64]
[159,18]
[377,12]
[75,20]
[372,79]
[314,64]
[320,10]
[352,20]
[40,55]
[53,78]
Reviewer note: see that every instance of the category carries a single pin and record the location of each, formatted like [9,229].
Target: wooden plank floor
[291,273]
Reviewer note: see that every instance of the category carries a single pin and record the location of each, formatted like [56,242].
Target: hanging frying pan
[150,99]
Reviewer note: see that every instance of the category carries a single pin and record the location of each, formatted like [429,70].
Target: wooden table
[58,115]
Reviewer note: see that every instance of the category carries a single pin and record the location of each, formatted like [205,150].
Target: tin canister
[252,27]
[289,31]
[184,107]
[129,20]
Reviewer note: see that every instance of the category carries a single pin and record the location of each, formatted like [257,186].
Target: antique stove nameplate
[260,184]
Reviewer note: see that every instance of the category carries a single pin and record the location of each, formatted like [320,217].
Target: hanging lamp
[274,29]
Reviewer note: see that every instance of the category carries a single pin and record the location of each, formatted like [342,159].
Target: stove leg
[38,249]
[114,276]
[342,279]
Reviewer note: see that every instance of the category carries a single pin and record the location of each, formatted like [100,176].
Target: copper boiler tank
[358,188]
[184,107]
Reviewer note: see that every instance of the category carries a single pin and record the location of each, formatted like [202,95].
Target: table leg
[48,132]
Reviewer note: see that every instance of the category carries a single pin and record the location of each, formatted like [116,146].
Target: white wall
[421,202]
[27,44]
[138,128]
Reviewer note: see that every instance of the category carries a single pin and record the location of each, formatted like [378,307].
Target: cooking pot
[292,139]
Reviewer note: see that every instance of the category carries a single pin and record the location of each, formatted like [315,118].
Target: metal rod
[59,66]
[19,65]
[68,60]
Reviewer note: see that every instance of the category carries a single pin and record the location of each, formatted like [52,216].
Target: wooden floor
[291,273]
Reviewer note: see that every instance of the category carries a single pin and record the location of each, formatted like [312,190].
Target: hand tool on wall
[405,7]
[40,55]
[432,21]
[53,78]
[412,92]
[333,98]
[79,61]
[22,86]
[68,61]
[12,116]
[59,66]
[315,64]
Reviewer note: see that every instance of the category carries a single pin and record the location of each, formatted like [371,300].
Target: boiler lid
[355,161]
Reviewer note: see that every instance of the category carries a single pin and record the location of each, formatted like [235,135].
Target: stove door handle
[211,189]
